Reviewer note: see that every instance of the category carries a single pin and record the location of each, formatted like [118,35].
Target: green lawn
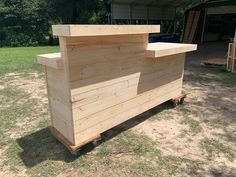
[22,58]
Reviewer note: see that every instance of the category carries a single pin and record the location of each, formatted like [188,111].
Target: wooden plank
[81,72]
[103,30]
[130,93]
[161,49]
[52,60]
[191,26]
[109,55]
[72,147]
[58,86]
[215,62]
[188,25]
[144,81]
[99,117]
[234,58]
[146,66]
[124,116]
[194,27]
[231,59]
[59,102]
[89,41]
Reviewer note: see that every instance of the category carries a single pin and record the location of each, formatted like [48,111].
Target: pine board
[108,77]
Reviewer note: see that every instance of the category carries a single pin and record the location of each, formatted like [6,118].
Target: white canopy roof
[147,9]
[159,3]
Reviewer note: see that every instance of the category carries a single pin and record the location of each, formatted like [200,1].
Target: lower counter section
[106,104]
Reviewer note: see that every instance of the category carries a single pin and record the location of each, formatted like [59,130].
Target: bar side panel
[59,102]
[112,81]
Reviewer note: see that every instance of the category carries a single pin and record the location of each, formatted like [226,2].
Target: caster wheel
[76,152]
[175,103]
[96,142]
[181,101]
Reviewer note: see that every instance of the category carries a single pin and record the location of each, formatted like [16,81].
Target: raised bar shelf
[52,60]
[161,49]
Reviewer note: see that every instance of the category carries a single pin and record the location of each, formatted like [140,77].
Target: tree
[24,22]
[28,22]
[79,11]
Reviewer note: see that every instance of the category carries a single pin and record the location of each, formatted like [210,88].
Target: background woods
[28,22]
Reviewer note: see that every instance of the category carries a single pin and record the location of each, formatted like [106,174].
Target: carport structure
[146,11]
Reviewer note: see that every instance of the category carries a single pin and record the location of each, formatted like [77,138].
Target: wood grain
[103,30]
[109,75]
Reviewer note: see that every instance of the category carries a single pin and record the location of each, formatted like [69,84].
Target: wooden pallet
[214,62]
[71,147]
[231,60]
[179,99]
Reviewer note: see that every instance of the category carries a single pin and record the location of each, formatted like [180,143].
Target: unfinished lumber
[101,30]
[215,62]
[191,26]
[194,27]
[109,75]
[52,60]
[161,49]
[231,59]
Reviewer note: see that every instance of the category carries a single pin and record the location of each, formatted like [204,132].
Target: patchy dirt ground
[197,138]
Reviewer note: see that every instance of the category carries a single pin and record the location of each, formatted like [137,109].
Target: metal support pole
[203,26]
[235,36]
[175,20]
[111,13]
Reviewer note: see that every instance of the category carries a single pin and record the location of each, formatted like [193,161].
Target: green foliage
[28,22]
[24,22]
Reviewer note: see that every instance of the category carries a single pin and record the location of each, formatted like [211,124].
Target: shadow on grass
[41,145]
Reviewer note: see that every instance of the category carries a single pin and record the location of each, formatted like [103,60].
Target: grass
[143,168]
[11,111]
[147,159]
[215,147]
[195,126]
[184,110]
[9,117]
[139,145]
[9,94]
[224,78]
[22,58]
[103,152]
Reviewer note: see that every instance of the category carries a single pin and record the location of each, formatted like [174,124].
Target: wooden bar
[107,74]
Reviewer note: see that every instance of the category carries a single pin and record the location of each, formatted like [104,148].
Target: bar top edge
[102,30]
